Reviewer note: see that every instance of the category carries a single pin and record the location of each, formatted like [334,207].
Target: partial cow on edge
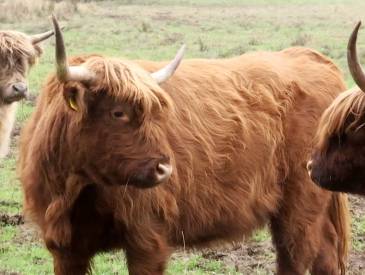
[18,52]
[223,142]
[338,161]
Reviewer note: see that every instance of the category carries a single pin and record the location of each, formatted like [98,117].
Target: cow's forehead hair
[126,81]
[16,45]
[333,120]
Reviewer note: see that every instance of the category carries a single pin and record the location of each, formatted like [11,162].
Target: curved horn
[35,39]
[353,60]
[65,72]
[166,72]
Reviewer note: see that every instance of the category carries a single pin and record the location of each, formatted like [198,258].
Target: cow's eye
[120,114]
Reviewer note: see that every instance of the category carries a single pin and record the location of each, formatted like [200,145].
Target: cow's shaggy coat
[18,52]
[237,132]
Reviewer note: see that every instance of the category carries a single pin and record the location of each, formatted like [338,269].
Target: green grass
[155,29]
[358,231]
[260,236]
[10,195]
[23,257]
[27,257]
[224,29]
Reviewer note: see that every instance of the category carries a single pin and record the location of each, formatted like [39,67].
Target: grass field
[154,29]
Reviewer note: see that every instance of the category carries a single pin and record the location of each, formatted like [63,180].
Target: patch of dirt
[27,233]
[11,219]
[164,16]
[168,17]
[357,264]
[113,15]
[16,130]
[259,257]
[357,206]
[246,258]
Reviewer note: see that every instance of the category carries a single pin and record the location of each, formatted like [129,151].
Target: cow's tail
[340,217]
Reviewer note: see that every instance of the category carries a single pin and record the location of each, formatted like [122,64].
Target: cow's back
[281,92]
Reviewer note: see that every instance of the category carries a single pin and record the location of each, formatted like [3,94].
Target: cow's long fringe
[15,46]
[334,120]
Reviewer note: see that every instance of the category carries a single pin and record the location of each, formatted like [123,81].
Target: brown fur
[238,133]
[338,161]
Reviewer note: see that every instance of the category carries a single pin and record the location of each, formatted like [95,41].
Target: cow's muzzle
[320,176]
[15,92]
[152,173]
[314,174]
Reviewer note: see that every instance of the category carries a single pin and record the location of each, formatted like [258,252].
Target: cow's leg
[147,256]
[294,252]
[327,261]
[70,264]
[297,227]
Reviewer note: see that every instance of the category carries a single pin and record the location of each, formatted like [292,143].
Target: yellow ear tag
[73,104]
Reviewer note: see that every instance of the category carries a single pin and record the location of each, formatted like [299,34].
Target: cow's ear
[73,96]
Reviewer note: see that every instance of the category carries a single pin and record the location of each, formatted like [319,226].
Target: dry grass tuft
[145,27]
[203,47]
[301,40]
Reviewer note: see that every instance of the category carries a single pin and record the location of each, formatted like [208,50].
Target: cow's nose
[163,172]
[309,167]
[20,89]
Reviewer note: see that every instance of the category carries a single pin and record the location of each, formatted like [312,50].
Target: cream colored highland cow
[18,53]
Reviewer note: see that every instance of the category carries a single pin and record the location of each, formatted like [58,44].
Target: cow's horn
[166,72]
[35,39]
[353,60]
[65,72]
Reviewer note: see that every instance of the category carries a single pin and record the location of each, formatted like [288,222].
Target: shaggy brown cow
[235,133]
[18,52]
[338,161]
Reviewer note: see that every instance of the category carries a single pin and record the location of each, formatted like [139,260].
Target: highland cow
[18,53]
[132,155]
[338,161]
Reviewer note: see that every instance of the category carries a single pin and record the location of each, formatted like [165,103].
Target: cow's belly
[230,213]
